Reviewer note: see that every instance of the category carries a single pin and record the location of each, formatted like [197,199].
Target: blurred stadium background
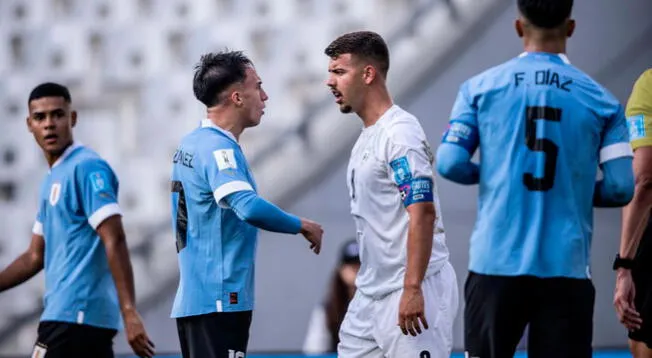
[129,66]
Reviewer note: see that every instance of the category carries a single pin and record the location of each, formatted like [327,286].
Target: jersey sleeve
[97,186]
[639,111]
[463,125]
[615,139]
[410,162]
[225,169]
[37,229]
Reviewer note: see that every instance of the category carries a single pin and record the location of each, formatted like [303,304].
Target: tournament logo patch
[225,159]
[401,169]
[55,193]
[636,126]
[98,180]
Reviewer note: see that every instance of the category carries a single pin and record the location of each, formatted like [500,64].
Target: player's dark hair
[546,14]
[215,72]
[365,44]
[49,89]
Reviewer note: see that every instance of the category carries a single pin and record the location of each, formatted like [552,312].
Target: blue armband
[462,134]
[416,190]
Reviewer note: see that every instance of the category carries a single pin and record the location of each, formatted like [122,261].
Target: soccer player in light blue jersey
[542,127]
[216,212]
[79,239]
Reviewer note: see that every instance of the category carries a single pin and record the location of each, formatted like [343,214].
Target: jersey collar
[66,153]
[561,56]
[206,123]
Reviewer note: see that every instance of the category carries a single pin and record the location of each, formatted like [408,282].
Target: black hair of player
[546,14]
[365,44]
[49,89]
[215,72]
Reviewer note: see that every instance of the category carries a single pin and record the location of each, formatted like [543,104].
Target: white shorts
[370,328]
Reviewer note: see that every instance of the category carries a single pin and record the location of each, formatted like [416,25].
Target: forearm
[262,214]
[118,257]
[635,220]
[19,271]
[419,248]
[454,163]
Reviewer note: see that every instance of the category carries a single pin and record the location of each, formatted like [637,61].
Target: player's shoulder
[402,128]
[643,83]
[86,159]
[590,88]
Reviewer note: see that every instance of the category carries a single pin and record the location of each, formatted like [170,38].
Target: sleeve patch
[636,126]
[99,181]
[225,159]
[401,168]
[462,134]
[417,190]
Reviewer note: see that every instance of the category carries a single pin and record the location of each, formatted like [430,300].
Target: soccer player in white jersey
[79,241]
[407,295]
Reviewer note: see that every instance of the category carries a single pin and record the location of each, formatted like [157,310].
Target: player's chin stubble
[346,109]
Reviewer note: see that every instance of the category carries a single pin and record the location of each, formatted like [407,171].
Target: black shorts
[559,312]
[71,340]
[641,274]
[215,335]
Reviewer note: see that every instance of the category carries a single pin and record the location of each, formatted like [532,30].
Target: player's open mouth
[338,96]
[50,139]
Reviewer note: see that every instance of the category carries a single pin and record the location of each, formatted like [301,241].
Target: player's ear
[368,74]
[29,124]
[518,25]
[236,98]
[570,27]
[73,119]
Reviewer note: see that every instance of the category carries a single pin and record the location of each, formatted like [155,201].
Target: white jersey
[384,161]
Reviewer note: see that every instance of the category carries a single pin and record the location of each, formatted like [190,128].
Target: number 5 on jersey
[547,146]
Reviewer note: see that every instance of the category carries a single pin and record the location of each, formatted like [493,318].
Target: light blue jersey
[78,194]
[542,127]
[216,248]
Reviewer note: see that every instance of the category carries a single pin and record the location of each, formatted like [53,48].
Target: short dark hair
[546,14]
[215,72]
[49,89]
[366,44]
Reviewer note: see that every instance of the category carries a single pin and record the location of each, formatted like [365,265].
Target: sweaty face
[50,121]
[253,97]
[345,82]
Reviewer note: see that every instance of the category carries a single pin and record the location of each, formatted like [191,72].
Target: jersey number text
[541,145]
[182,215]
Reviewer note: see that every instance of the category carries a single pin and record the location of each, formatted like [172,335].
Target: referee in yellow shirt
[633,295]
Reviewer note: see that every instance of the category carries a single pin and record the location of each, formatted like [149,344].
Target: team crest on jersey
[225,159]
[636,126]
[55,193]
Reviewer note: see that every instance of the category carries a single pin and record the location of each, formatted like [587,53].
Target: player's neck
[52,158]
[544,45]
[376,104]
[226,121]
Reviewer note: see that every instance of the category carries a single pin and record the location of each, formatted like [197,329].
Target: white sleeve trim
[37,229]
[615,151]
[229,188]
[103,213]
